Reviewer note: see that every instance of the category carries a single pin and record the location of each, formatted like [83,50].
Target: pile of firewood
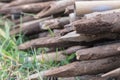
[85,28]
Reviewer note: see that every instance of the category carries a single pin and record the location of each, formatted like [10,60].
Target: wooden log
[49,42]
[92,67]
[2,4]
[28,28]
[73,36]
[55,7]
[104,22]
[57,23]
[27,8]
[114,73]
[98,52]
[24,19]
[22,2]
[85,7]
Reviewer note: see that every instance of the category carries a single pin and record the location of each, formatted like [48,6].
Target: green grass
[13,62]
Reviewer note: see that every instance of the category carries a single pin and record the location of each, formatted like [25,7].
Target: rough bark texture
[104,22]
[28,8]
[54,8]
[22,2]
[73,36]
[98,52]
[83,68]
[31,27]
[55,23]
[49,42]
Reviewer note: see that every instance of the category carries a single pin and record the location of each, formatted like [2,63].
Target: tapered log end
[23,46]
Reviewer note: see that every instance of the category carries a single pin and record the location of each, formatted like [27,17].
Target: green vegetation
[13,62]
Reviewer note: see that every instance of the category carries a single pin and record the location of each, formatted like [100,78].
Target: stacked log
[69,24]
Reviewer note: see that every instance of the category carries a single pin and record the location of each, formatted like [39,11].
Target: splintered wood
[74,27]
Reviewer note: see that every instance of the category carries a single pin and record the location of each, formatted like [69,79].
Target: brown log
[114,73]
[22,2]
[31,27]
[85,7]
[57,23]
[49,42]
[24,19]
[55,7]
[104,22]
[28,8]
[2,4]
[67,29]
[92,67]
[98,52]
[73,36]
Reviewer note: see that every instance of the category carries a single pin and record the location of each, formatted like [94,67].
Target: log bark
[85,7]
[98,52]
[83,68]
[27,8]
[57,23]
[24,19]
[28,28]
[2,4]
[49,42]
[104,22]
[54,8]
[114,73]
[73,36]
[22,2]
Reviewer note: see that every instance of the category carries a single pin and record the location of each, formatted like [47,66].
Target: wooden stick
[114,73]
[28,8]
[85,7]
[54,8]
[49,42]
[83,68]
[2,4]
[22,2]
[73,36]
[98,52]
[55,23]
[24,19]
[103,22]
[31,27]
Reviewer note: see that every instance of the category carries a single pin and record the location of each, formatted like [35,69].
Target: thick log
[22,2]
[2,4]
[104,22]
[28,28]
[27,8]
[55,7]
[57,23]
[92,67]
[114,73]
[85,7]
[73,36]
[24,19]
[49,42]
[98,52]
